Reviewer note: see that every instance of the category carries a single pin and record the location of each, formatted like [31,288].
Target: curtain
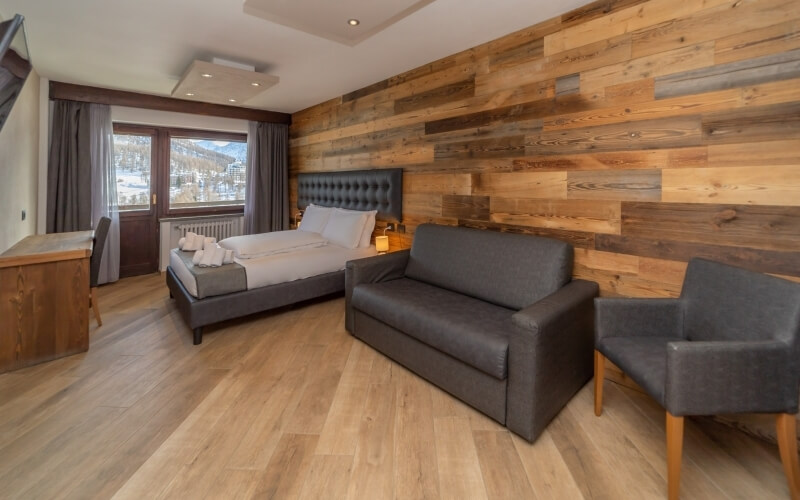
[69,171]
[81,183]
[104,187]
[266,206]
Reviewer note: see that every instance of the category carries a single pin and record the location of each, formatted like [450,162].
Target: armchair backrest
[723,302]
[510,270]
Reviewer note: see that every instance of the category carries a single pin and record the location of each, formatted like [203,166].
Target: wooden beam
[83,93]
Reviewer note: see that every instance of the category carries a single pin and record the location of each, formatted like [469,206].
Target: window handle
[154,198]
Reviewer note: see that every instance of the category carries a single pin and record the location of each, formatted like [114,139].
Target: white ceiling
[345,21]
[145,45]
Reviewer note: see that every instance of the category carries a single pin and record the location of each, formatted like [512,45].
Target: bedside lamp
[298,214]
[382,244]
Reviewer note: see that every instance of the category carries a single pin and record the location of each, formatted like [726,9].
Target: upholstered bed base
[376,189]
[202,312]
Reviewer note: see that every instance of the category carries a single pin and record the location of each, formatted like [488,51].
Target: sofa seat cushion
[644,359]
[470,330]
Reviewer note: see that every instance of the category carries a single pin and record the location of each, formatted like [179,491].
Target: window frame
[160,167]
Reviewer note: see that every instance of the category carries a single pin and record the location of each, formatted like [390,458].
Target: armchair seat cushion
[468,329]
[644,359]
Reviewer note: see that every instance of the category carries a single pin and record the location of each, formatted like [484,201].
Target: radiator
[216,228]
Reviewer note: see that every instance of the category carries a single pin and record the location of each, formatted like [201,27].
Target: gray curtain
[104,187]
[69,171]
[81,183]
[266,206]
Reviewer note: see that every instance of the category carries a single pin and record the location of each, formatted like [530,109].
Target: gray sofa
[492,318]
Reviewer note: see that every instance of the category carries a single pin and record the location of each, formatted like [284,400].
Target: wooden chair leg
[599,375]
[787,444]
[95,307]
[674,452]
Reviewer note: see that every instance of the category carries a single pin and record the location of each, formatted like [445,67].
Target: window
[206,172]
[132,158]
[193,172]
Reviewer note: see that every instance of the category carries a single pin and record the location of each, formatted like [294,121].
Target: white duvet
[252,246]
[280,268]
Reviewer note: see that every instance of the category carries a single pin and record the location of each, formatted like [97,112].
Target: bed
[292,277]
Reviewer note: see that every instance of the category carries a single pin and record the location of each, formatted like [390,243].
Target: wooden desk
[44,298]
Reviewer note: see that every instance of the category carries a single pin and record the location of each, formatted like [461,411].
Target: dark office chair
[100,236]
[728,344]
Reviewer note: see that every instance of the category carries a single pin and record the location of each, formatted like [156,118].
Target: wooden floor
[288,405]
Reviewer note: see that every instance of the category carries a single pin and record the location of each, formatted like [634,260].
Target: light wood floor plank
[501,467]
[328,477]
[457,460]
[415,473]
[373,464]
[285,475]
[547,473]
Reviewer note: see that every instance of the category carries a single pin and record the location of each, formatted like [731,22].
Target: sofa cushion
[723,302]
[644,359]
[470,330]
[510,270]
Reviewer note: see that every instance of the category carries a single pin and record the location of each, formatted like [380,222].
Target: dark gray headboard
[380,190]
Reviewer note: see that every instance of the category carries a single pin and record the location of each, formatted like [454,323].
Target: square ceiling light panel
[345,21]
[221,84]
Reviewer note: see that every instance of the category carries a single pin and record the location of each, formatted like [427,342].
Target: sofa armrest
[549,356]
[619,317]
[375,269]
[706,378]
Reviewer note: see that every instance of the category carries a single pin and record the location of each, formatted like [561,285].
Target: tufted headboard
[380,190]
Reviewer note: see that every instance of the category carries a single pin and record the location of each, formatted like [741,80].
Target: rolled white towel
[197,256]
[193,242]
[208,241]
[181,242]
[206,259]
[219,255]
[228,259]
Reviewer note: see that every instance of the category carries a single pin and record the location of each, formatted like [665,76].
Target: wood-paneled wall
[643,132]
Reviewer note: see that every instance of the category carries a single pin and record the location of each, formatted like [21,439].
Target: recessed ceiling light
[353,22]
[231,100]
[255,84]
[207,75]
[190,94]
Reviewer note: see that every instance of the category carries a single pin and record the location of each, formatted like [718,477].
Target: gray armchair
[728,344]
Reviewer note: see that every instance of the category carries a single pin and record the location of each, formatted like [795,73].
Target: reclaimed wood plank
[518,112]
[568,84]
[752,226]
[664,63]
[712,24]
[752,124]
[775,185]
[755,259]
[551,185]
[451,92]
[629,185]
[627,20]
[770,68]
[758,42]
[465,207]
[673,132]
[483,148]
[572,215]
[578,239]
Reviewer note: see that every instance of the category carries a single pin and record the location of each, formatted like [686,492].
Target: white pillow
[369,226]
[315,218]
[345,228]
